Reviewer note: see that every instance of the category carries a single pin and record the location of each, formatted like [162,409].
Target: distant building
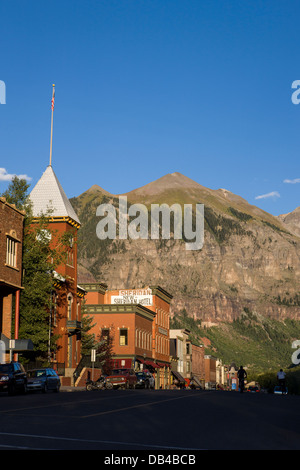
[210,371]
[220,374]
[67,297]
[179,339]
[197,364]
[141,322]
[187,359]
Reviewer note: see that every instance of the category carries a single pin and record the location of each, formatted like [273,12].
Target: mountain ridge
[250,258]
[176,180]
[292,220]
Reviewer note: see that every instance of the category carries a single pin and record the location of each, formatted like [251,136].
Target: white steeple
[49,194]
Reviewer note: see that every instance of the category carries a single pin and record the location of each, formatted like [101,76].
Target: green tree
[36,300]
[104,350]
[16,193]
[88,340]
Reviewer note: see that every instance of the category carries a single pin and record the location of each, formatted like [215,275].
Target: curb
[69,388]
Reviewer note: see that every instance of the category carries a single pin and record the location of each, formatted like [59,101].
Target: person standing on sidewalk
[281,380]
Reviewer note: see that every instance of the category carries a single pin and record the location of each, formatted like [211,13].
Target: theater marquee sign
[133,296]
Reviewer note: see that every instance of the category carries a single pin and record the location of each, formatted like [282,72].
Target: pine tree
[104,350]
[88,341]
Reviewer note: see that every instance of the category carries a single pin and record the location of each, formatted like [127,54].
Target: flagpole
[52,108]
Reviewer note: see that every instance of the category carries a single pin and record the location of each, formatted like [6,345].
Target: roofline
[94,287]
[66,219]
[12,206]
[120,308]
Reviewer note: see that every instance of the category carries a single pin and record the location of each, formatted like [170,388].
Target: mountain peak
[96,188]
[171,181]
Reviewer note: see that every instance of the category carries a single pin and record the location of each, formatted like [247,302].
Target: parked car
[43,379]
[122,378]
[13,378]
[144,380]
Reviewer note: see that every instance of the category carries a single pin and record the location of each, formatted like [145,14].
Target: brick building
[198,364]
[11,242]
[179,339]
[187,359]
[141,322]
[67,297]
[210,371]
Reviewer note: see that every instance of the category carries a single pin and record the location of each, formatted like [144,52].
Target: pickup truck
[122,378]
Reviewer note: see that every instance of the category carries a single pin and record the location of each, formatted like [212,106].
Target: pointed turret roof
[49,194]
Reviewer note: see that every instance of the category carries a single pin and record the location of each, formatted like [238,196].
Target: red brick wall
[210,369]
[11,223]
[130,321]
[161,342]
[198,368]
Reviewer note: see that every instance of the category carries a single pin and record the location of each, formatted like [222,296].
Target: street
[144,420]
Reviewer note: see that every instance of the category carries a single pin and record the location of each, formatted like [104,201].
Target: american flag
[53,96]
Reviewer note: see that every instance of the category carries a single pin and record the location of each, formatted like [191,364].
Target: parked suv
[13,378]
[122,378]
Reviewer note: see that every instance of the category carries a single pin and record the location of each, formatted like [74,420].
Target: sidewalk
[70,388]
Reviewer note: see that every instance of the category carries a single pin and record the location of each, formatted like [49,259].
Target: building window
[70,258]
[105,334]
[11,252]
[70,301]
[123,337]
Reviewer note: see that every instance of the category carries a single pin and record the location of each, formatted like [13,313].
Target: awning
[23,345]
[19,344]
[178,376]
[161,364]
[142,361]
[152,364]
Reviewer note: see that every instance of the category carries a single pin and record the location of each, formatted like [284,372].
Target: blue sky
[150,87]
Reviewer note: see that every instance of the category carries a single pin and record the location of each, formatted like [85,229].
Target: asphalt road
[150,420]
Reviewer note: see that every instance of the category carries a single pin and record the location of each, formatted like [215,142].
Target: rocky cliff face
[292,221]
[250,259]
